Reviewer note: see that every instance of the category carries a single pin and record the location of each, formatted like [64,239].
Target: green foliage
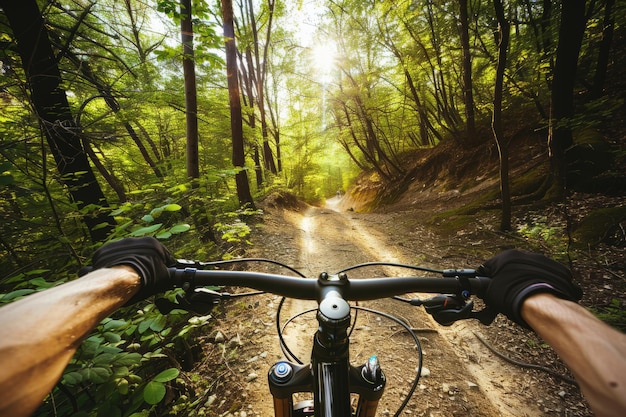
[123,366]
[233,229]
[542,232]
[147,225]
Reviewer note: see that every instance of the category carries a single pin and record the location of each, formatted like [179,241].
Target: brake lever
[446,309]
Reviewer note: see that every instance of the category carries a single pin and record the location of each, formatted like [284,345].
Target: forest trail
[464,377]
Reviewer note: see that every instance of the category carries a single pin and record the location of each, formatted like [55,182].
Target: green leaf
[145,325]
[128,359]
[153,392]
[167,375]
[158,323]
[146,230]
[91,345]
[156,212]
[114,324]
[122,386]
[122,209]
[14,278]
[179,228]
[172,207]
[164,235]
[103,359]
[100,226]
[72,378]
[96,375]
[41,283]
[147,218]
[112,337]
[15,294]
[110,349]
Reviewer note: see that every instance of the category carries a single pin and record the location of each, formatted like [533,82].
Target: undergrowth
[135,362]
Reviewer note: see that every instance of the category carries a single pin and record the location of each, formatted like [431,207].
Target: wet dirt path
[461,377]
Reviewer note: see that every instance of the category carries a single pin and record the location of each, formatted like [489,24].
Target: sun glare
[323,57]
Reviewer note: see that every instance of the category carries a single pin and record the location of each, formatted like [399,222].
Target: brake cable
[289,354]
[418,345]
[393,264]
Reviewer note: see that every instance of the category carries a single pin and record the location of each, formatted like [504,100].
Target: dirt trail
[464,377]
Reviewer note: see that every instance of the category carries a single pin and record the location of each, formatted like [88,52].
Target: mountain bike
[338,388]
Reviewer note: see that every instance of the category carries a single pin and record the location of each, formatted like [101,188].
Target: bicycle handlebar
[445,309]
[314,289]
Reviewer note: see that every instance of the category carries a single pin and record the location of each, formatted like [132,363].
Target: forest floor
[464,376]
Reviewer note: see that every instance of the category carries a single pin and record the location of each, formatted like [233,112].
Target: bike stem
[330,357]
[330,375]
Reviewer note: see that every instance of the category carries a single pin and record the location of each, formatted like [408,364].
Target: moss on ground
[597,226]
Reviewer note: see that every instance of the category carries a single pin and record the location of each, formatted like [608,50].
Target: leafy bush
[130,364]
[123,369]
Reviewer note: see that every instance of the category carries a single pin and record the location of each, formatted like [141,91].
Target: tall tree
[608,26]
[191,97]
[260,66]
[468,93]
[236,118]
[504,29]
[52,107]
[571,31]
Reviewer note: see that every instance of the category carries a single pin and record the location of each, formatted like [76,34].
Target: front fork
[330,376]
[287,378]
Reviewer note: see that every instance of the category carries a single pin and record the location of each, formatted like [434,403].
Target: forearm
[593,351]
[40,333]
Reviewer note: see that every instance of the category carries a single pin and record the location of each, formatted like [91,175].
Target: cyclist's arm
[40,333]
[593,351]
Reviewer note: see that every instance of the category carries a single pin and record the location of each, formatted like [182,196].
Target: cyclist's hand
[516,275]
[146,256]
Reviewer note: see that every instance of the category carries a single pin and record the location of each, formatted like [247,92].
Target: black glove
[146,256]
[516,275]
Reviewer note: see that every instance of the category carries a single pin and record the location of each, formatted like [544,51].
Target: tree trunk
[260,68]
[258,171]
[571,33]
[604,50]
[496,122]
[110,178]
[191,99]
[468,94]
[236,120]
[52,107]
